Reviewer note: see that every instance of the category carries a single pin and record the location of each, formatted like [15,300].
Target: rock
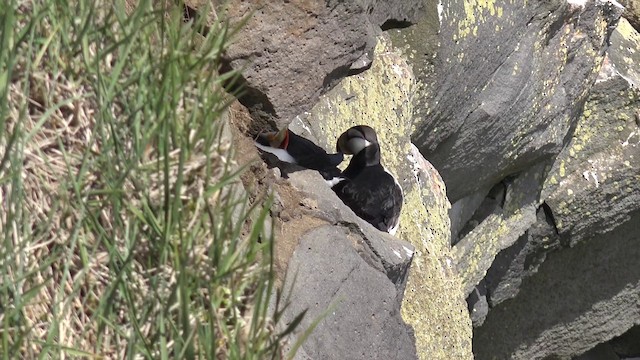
[623,55]
[478,306]
[328,272]
[402,11]
[600,352]
[594,183]
[327,258]
[580,296]
[576,207]
[627,345]
[469,211]
[521,259]
[294,51]
[590,196]
[347,266]
[632,12]
[382,97]
[509,82]
[500,229]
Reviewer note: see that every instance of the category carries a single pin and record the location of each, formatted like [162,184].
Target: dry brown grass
[124,226]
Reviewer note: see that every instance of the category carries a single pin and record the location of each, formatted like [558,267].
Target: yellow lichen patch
[628,32]
[478,249]
[477,11]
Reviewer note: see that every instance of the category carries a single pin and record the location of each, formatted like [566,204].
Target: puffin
[365,186]
[292,148]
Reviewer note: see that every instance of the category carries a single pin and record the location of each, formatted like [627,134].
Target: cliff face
[514,131]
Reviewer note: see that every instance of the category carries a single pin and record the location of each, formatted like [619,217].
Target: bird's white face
[355,139]
[356,144]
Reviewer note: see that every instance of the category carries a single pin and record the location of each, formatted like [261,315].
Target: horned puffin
[292,148]
[365,185]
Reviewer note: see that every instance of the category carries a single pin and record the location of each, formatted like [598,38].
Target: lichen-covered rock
[327,258]
[509,82]
[623,55]
[293,51]
[581,296]
[591,206]
[500,229]
[594,184]
[521,259]
[382,97]
[632,12]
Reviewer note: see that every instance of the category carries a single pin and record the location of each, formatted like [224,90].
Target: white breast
[282,154]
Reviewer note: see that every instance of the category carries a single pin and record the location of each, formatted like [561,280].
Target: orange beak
[279,139]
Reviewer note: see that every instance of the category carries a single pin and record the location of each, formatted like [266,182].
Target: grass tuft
[124,230]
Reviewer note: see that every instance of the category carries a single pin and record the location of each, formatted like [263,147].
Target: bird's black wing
[373,196]
[310,155]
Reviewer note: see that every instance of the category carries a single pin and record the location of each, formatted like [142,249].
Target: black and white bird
[291,148]
[365,185]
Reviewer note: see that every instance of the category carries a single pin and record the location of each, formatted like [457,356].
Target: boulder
[294,51]
[521,259]
[593,185]
[579,297]
[540,287]
[328,273]
[508,84]
[503,225]
[632,12]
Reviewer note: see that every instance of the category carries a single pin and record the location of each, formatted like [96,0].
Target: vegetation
[123,230]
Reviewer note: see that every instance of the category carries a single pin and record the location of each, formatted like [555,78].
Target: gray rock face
[294,51]
[502,223]
[628,344]
[509,83]
[632,12]
[381,11]
[589,219]
[600,352]
[580,297]
[364,320]
[388,254]
[594,184]
[592,188]
[522,259]
[478,305]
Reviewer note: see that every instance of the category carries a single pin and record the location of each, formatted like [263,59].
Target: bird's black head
[355,139]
